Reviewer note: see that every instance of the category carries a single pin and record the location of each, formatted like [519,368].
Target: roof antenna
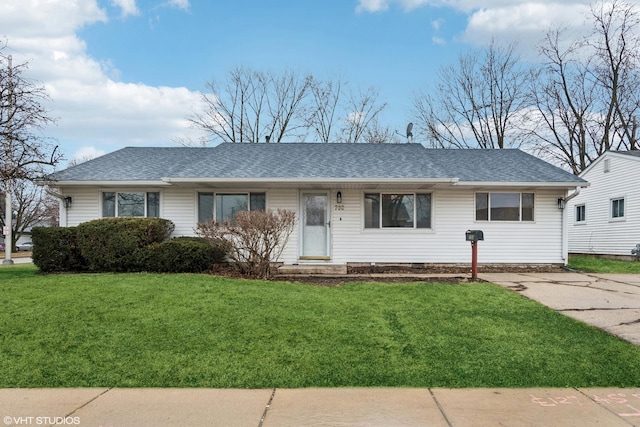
[267,138]
[409,133]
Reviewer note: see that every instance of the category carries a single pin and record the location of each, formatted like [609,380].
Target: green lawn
[591,264]
[150,330]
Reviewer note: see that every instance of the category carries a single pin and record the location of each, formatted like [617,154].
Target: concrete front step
[308,269]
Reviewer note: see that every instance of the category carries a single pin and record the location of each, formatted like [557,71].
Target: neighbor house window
[224,207]
[617,208]
[410,210]
[505,206]
[581,213]
[130,204]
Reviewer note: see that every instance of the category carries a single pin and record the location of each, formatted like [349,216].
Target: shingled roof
[315,161]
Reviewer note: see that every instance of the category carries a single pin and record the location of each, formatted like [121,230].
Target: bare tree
[363,110]
[587,96]
[25,153]
[31,207]
[324,108]
[253,106]
[480,102]
[256,106]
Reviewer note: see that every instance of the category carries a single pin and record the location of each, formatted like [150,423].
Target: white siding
[179,205]
[453,213]
[599,234]
[85,205]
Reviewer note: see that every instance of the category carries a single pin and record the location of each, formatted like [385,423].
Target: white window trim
[413,229]
[520,220]
[135,190]
[620,218]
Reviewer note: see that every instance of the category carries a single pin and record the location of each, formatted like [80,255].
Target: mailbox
[474,235]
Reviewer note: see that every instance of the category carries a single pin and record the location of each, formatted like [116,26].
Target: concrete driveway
[607,301]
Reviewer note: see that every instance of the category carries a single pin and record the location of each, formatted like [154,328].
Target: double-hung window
[505,206]
[617,208]
[397,210]
[130,204]
[225,206]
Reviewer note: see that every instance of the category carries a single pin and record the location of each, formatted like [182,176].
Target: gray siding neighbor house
[355,203]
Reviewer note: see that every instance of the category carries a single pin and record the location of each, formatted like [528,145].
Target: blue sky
[128,72]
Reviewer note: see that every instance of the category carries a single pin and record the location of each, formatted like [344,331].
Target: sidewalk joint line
[433,396]
[89,401]
[266,408]
[605,407]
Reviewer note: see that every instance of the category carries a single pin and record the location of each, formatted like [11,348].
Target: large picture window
[408,210]
[505,206]
[227,205]
[130,204]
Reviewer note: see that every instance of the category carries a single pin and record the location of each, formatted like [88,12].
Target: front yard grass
[592,264]
[152,330]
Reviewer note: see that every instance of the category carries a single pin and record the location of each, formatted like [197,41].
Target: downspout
[565,226]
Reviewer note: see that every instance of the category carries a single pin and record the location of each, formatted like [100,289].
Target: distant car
[1,246]
[26,246]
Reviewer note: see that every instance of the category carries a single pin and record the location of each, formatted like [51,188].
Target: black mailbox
[474,235]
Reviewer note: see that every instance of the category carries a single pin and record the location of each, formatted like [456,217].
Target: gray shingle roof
[316,161]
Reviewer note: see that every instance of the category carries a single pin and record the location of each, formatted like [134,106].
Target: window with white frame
[581,213]
[617,208]
[130,204]
[225,206]
[397,210]
[505,206]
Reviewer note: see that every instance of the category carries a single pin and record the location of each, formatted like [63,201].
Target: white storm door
[315,225]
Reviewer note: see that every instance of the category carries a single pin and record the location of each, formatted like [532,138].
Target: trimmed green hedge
[56,249]
[118,244]
[183,255]
[122,245]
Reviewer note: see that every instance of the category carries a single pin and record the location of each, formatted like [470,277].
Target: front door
[315,226]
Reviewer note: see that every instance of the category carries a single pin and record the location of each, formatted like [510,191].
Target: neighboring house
[355,203]
[605,218]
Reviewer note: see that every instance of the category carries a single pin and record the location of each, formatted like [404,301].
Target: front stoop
[312,269]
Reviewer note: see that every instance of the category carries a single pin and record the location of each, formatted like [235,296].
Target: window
[505,206]
[617,208]
[228,205]
[581,213]
[397,210]
[132,204]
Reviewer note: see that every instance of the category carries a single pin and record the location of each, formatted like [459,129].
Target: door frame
[302,216]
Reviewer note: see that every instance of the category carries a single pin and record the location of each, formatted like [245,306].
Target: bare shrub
[253,240]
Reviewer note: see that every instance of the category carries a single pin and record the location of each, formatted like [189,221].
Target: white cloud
[180,4]
[372,5]
[91,105]
[526,22]
[87,153]
[128,7]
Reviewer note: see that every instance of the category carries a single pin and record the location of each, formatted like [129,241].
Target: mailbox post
[474,236]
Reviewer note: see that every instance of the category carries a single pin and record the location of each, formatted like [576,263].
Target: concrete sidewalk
[320,407]
[607,301]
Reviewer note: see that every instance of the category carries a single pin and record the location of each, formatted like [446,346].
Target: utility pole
[8,212]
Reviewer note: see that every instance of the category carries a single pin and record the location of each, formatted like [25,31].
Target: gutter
[195,180]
